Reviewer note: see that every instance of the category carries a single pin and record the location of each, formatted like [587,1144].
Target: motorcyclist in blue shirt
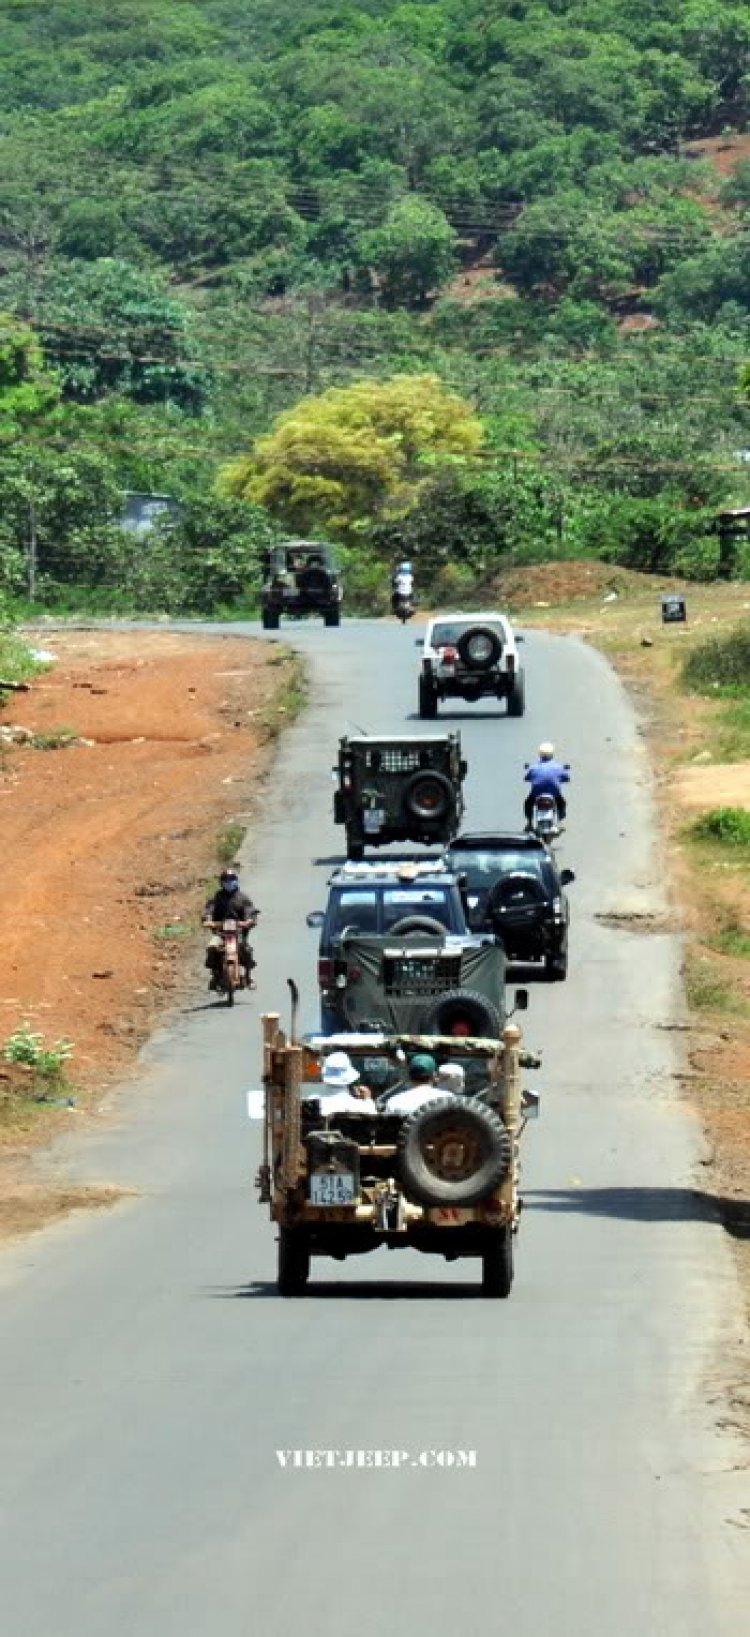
[546,777]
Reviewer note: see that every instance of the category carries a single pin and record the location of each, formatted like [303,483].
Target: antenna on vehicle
[294,993]
[356,725]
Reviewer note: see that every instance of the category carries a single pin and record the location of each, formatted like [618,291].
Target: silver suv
[468,656]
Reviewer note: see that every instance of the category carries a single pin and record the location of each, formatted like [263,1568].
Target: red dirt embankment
[109,847]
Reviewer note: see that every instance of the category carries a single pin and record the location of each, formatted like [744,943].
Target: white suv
[466,656]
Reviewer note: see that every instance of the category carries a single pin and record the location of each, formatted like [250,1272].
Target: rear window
[400,901]
[448,632]
[355,908]
[483,869]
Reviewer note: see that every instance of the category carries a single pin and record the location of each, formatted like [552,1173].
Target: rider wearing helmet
[230,904]
[546,777]
[403,580]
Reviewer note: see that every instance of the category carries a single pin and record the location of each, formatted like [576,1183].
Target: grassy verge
[289,698]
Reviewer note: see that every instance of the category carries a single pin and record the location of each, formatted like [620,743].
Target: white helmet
[546,752]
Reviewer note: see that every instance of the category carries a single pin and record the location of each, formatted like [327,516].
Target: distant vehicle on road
[300,577]
[470,656]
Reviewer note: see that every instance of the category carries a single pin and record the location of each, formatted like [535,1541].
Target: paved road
[149,1372]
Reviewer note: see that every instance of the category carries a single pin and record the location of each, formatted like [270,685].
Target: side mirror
[530,1101]
[520,636]
[419,642]
[566,876]
[315,918]
[463,768]
[521,1000]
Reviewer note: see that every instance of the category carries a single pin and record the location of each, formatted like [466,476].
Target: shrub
[730,826]
[721,661]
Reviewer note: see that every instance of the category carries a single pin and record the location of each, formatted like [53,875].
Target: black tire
[487,641]
[332,616]
[416,923]
[426,1138]
[464,1013]
[355,850]
[517,695]
[428,796]
[293,1263]
[314,582]
[428,702]
[230,994]
[497,1263]
[556,968]
[270,620]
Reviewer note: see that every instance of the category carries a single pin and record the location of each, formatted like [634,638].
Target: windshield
[482,869]
[358,907]
[446,633]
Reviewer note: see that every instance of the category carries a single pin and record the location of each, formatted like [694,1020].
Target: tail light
[449,656]
[325,974]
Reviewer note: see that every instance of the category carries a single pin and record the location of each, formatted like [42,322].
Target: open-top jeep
[441,1178]
[399,789]
[300,577]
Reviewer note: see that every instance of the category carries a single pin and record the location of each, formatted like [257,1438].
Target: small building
[141,511]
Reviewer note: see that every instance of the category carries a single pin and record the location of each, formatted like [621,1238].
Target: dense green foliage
[211,212]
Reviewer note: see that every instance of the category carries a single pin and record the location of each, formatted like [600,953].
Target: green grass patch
[732,940]
[229,841]
[719,662]
[727,826]
[17,663]
[53,739]
[707,990]
[173,930]
[290,697]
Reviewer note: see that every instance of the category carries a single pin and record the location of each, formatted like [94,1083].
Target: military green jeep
[399,789]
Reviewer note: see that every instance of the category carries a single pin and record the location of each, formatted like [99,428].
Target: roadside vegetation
[216,217]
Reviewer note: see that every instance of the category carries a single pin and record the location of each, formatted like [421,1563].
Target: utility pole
[33,546]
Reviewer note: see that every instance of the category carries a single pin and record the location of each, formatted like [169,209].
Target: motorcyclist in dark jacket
[230,904]
[546,777]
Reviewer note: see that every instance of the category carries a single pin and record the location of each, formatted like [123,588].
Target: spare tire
[429,795]
[314,582]
[464,1013]
[416,923]
[453,1151]
[480,648]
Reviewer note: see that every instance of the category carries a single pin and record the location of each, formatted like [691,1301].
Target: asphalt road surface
[149,1372]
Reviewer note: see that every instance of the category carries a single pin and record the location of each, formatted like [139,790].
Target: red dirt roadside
[109,848]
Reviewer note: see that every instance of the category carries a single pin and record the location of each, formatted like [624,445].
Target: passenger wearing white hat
[336,1097]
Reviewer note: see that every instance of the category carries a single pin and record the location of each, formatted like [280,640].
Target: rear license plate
[332,1188]
[373,818]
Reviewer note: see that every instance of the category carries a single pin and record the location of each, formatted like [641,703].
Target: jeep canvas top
[405,788]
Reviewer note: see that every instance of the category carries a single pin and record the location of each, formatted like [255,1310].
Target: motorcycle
[545,820]
[232,974]
[545,815]
[403,605]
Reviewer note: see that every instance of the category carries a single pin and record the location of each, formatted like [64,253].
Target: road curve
[149,1372]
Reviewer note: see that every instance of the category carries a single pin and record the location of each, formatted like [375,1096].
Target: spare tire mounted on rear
[429,795]
[453,1151]
[480,648]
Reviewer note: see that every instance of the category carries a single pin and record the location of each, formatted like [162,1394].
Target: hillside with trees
[214,217]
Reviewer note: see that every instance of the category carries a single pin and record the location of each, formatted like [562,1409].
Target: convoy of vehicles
[413,960]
